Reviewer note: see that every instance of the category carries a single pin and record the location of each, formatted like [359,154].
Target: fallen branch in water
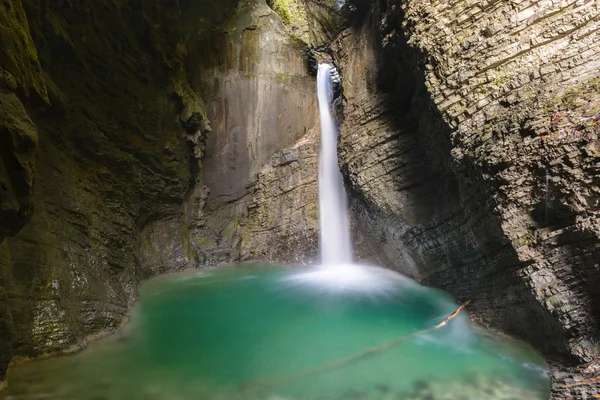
[350,359]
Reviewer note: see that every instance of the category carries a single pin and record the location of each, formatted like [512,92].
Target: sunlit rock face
[262,101]
[122,99]
[470,146]
[123,111]
[256,194]
[171,137]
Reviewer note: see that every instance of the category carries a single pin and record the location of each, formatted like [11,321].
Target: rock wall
[275,219]
[20,74]
[143,137]
[107,107]
[120,142]
[470,146]
[110,130]
[256,194]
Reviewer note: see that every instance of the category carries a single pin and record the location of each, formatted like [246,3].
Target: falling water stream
[335,232]
[266,332]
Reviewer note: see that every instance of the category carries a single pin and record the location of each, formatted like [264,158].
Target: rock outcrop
[160,136]
[469,146]
[255,197]
[96,123]
[20,74]
[143,137]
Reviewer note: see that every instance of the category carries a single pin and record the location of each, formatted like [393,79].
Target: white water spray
[337,272]
[336,248]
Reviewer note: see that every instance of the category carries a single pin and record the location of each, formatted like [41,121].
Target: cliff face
[20,73]
[143,137]
[470,147]
[111,126]
[256,194]
[262,100]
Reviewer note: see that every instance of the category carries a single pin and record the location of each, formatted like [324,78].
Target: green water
[257,332]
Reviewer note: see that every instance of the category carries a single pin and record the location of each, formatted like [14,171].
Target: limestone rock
[468,144]
[108,155]
[261,164]
[18,141]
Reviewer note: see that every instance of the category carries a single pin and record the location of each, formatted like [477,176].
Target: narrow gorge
[146,137]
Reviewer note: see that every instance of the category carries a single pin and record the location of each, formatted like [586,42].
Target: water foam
[336,247]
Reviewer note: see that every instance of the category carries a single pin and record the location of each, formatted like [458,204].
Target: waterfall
[335,242]
[340,273]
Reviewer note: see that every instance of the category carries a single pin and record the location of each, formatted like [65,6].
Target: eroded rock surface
[163,136]
[256,195]
[20,78]
[104,123]
[167,137]
[469,144]
[276,219]
[135,174]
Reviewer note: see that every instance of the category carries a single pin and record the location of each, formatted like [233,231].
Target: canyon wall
[255,197]
[20,71]
[470,148]
[105,122]
[93,124]
[142,137]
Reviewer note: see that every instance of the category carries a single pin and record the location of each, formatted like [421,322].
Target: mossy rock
[18,54]
[293,15]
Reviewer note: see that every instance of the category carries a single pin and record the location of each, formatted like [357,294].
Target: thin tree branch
[351,359]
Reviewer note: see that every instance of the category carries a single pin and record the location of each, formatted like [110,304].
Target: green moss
[18,54]
[231,228]
[497,80]
[312,213]
[525,239]
[296,39]
[578,95]
[185,237]
[293,15]
[554,301]
[283,78]
[282,8]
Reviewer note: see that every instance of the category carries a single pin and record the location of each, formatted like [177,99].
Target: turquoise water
[257,332]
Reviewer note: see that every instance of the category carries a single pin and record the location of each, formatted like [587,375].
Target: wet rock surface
[20,74]
[469,146]
[135,122]
[96,109]
[255,197]
[275,219]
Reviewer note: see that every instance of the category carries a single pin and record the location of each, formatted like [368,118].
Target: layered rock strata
[470,145]
[255,197]
[169,137]
[112,122]
[137,139]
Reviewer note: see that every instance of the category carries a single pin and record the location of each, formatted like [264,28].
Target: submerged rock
[479,388]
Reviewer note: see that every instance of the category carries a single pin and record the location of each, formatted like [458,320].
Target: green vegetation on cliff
[18,55]
[293,15]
